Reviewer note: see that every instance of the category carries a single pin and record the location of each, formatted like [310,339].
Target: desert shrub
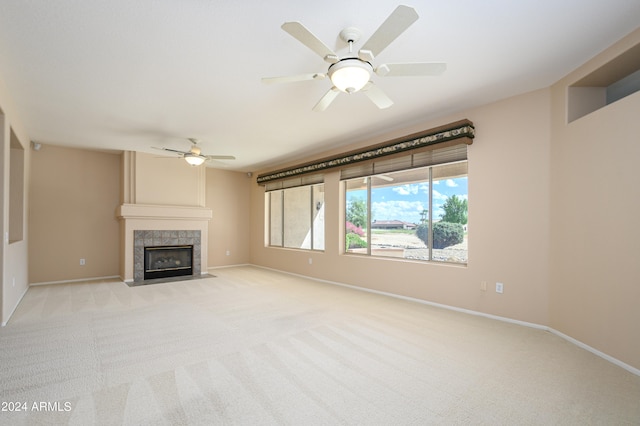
[354,241]
[422,232]
[445,234]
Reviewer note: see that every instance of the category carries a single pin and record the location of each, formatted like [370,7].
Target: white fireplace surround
[165,224]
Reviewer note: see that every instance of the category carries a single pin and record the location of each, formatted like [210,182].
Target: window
[376,179]
[296,217]
[417,213]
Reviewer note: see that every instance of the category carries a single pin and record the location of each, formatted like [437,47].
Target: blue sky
[406,202]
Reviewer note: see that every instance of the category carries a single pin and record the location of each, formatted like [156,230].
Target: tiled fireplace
[164,238]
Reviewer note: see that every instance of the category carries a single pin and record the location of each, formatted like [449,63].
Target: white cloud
[451,183]
[406,189]
[407,211]
[438,196]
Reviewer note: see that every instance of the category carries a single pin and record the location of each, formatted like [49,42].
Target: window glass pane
[275,218]
[356,218]
[418,214]
[297,217]
[450,209]
[318,217]
[399,203]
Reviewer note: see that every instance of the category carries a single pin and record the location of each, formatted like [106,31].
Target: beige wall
[228,196]
[508,222]
[170,181]
[74,196]
[595,244]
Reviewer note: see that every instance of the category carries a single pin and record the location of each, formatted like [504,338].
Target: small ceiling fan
[194,156]
[352,73]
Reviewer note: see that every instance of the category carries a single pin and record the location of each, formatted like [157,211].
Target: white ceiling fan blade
[170,150]
[220,157]
[411,69]
[397,23]
[377,96]
[306,37]
[293,78]
[326,100]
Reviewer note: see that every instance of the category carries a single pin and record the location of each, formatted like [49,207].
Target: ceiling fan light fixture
[193,160]
[350,74]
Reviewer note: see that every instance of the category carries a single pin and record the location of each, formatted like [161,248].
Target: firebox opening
[168,261]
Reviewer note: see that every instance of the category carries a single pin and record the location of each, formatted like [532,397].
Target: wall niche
[611,82]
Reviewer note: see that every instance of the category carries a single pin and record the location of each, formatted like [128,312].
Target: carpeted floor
[257,347]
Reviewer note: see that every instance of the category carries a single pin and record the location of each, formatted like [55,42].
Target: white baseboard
[570,339]
[76,281]
[229,266]
[594,351]
[4,323]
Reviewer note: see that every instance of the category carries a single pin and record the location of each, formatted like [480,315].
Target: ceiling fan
[194,156]
[352,73]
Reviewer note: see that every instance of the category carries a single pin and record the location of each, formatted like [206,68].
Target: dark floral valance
[457,130]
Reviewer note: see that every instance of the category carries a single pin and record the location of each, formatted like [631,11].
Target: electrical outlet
[310,261]
[483,286]
[228,253]
[82,262]
[499,287]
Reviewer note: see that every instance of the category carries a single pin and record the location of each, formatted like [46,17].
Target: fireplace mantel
[157,212]
[145,217]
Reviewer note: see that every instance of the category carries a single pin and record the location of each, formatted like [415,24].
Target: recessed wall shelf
[611,82]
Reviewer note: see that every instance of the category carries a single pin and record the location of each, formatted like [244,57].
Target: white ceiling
[129,75]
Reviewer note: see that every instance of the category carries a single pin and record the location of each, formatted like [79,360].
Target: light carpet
[258,347]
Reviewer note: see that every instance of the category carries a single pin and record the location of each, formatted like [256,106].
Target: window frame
[369,212]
